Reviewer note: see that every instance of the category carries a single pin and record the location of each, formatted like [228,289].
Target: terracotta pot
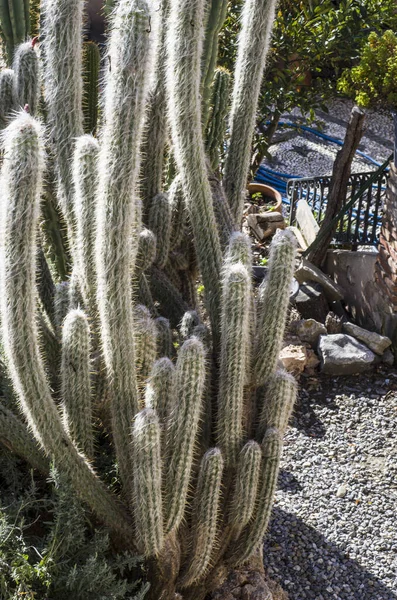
[266,190]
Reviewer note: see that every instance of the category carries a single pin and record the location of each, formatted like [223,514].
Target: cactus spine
[257,21]
[117,215]
[185,39]
[182,429]
[27,79]
[62,33]
[234,345]
[205,515]
[147,496]
[76,385]
[21,179]
[91,60]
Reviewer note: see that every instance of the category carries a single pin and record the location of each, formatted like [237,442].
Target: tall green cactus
[118,214]
[257,21]
[196,420]
[217,122]
[14,24]
[62,27]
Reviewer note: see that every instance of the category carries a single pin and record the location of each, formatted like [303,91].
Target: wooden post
[338,185]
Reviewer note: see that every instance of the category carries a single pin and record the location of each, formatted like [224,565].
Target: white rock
[376,342]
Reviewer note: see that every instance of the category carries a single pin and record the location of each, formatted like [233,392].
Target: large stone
[294,358]
[376,342]
[311,302]
[265,224]
[308,272]
[342,354]
[308,330]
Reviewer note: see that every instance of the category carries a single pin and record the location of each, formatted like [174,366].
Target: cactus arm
[185,34]
[15,436]
[251,538]
[217,122]
[205,516]
[183,428]
[164,291]
[156,129]
[147,495]
[164,337]
[277,402]
[84,179]
[27,77]
[21,183]
[274,300]
[26,6]
[145,332]
[216,19]
[160,388]
[223,214]
[144,295]
[7,95]
[246,485]
[147,246]
[117,212]
[75,381]
[257,21]
[235,338]
[178,214]
[62,36]
[160,223]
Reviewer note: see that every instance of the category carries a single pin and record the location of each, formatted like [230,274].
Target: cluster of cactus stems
[194,399]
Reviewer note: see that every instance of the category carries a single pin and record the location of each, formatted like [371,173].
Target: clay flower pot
[270,196]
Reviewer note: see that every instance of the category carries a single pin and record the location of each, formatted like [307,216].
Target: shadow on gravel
[309,567]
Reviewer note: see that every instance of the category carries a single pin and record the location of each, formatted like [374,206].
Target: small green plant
[373,81]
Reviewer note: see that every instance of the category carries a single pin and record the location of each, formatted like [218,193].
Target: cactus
[182,429]
[62,33]
[245,491]
[21,179]
[257,20]
[234,346]
[147,495]
[130,59]
[156,129]
[160,388]
[164,337]
[160,223]
[27,79]
[91,61]
[76,385]
[84,178]
[183,82]
[196,438]
[217,121]
[205,515]
[7,95]
[275,288]
[216,18]
[15,436]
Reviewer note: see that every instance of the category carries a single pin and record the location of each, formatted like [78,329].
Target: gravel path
[307,155]
[334,534]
